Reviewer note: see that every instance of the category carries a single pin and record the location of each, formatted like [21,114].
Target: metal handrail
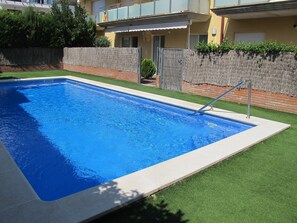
[249,82]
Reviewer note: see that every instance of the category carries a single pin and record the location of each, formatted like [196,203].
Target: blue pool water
[68,136]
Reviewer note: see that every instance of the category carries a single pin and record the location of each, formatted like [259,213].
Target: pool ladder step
[249,86]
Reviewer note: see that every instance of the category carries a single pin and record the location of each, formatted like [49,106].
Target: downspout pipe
[222,29]
[189,34]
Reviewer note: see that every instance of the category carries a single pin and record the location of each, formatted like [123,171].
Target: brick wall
[103,72]
[275,101]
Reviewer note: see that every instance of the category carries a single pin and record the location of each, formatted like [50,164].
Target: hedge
[59,28]
[257,48]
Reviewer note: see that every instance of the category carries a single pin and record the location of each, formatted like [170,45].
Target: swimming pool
[22,202]
[68,136]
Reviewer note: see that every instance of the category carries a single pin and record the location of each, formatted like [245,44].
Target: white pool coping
[20,203]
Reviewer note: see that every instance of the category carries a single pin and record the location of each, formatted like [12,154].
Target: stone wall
[274,78]
[28,59]
[272,73]
[118,63]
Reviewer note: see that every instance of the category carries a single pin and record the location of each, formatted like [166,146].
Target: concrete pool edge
[19,203]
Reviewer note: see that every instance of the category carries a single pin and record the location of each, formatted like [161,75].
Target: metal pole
[181,71]
[158,60]
[139,64]
[219,97]
[162,66]
[189,35]
[128,16]
[249,99]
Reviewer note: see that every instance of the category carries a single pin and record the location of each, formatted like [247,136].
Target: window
[194,39]
[129,41]
[249,37]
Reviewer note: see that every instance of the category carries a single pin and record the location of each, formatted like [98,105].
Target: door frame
[152,44]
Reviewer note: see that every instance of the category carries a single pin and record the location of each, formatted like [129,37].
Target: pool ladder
[249,86]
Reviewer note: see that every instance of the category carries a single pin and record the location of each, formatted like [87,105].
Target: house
[37,5]
[153,24]
[150,24]
[257,20]
[21,5]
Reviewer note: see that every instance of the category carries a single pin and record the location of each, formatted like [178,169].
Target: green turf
[258,185]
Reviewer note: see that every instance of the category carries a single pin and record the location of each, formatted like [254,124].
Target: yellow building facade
[150,24]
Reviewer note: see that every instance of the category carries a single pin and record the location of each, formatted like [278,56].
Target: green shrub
[225,47]
[204,47]
[56,29]
[148,68]
[102,41]
[257,48]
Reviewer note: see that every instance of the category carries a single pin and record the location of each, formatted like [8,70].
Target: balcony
[230,3]
[22,5]
[247,9]
[153,9]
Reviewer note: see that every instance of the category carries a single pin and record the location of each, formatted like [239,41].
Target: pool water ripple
[67,137]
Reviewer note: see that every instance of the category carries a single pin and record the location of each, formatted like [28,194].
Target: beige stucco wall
[144,41]
[87,4]
[202,28]
[214,22]
[278,29]
[111,37]
[146,44]
[173,39]
[111,2]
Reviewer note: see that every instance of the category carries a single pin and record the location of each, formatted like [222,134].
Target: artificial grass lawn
[258,185]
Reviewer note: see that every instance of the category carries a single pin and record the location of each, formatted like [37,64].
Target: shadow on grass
[10,77]
[139,212]
[142,212]
[110,195]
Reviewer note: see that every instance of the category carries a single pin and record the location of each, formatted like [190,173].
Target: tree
[12,29]
[63,26]
[72,30]
[84,32]
[39,27]
[59,28]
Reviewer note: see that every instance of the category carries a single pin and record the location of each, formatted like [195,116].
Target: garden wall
[118,63]
[274,77]
[30,59]
[273,73]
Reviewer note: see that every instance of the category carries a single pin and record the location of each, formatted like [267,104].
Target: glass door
[158,41]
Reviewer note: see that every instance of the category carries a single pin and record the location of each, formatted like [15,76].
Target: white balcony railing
[20,5]
[229,3]
[156,7]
